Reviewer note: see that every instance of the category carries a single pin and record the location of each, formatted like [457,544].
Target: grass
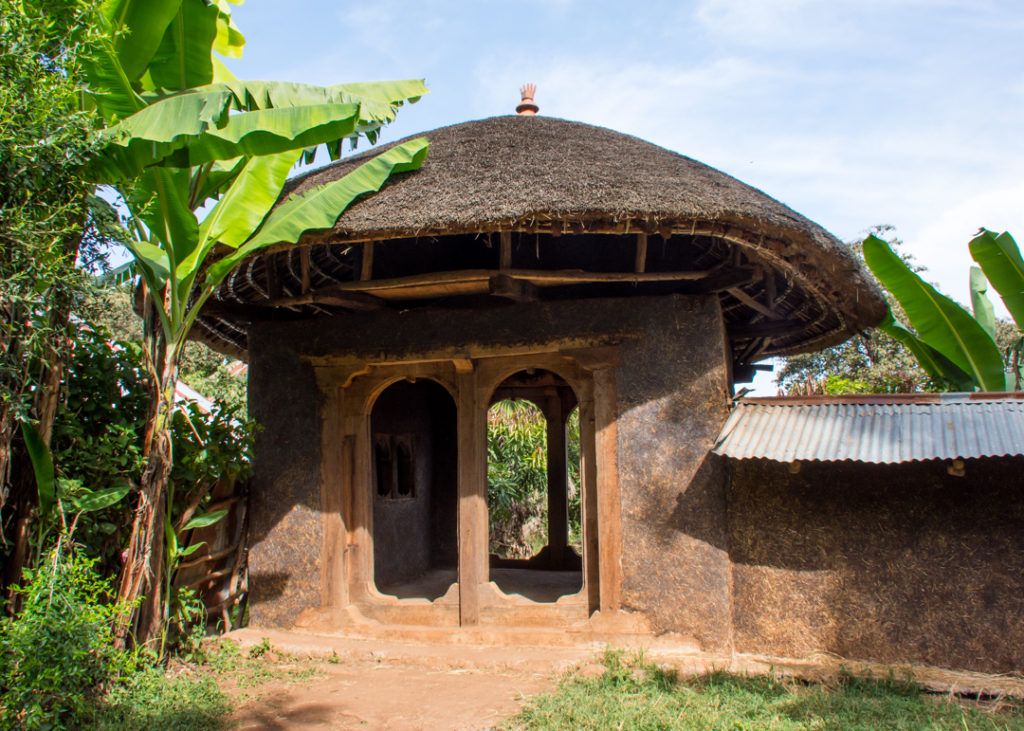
[637,695]
[190,695]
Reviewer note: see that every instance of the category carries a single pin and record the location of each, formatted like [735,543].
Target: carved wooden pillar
[472,486]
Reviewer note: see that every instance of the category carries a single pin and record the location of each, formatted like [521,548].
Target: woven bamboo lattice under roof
[536,208]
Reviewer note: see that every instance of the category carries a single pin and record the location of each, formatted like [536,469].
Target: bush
[57,658]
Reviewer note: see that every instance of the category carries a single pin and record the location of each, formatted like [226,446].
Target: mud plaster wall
[671,383]
[672,399]
[285,522]
[891,563]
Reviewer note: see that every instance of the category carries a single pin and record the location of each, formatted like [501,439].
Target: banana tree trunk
[142,572]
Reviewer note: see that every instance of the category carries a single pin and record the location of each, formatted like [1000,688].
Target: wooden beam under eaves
[329,297]
[781,329]
[517,290]
[754,304]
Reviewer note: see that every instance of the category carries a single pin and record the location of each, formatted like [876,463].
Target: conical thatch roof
[547,182]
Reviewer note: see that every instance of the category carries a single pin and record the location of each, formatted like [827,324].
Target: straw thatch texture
[888,563]
[543,177]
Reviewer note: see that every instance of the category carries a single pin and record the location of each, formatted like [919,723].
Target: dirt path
[390,684]
[362,684]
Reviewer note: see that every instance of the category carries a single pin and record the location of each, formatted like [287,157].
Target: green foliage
[892,359]
[870,362]
[42,199]
[517,456]
[179,134]
[153,699]
[97,448]
[945,331]
[208,372]
[633,693]
[517,478]
[950,343]
[57,658]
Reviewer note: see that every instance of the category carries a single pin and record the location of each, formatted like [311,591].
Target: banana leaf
[239,212]
[936,365]
[189,130]
[184,58]
[42,466]
[320,208]
[939,321]
[1000,259]
[984,313]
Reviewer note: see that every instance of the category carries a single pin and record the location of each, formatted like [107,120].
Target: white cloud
[940,243]
[755,19]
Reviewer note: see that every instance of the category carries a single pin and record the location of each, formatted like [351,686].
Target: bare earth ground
[392,684]
[374,684]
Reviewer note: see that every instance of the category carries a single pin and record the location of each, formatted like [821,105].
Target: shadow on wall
[266,586]
[892,563]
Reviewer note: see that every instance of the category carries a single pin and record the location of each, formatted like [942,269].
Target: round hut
[593,274]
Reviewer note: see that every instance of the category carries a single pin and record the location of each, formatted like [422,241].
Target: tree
[870,362]
[180,132]
[950,343]
[44,139]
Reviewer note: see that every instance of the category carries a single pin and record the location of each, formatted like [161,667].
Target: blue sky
[852,112]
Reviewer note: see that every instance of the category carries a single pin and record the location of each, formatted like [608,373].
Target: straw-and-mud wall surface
[671,380]
[891,563]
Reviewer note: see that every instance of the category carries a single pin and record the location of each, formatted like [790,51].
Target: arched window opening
[517,479]
[575,486]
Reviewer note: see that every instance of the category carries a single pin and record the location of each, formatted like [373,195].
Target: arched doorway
[414,486]
[533,483]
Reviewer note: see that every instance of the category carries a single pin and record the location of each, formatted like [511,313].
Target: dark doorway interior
[415,496]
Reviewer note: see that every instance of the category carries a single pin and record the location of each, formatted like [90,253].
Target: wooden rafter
[754,304]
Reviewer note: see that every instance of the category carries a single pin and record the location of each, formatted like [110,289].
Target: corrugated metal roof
[879,429]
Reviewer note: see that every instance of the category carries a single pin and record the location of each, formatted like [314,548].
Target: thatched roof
[540,176]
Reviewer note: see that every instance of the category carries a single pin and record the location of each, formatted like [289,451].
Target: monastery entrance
[407,522]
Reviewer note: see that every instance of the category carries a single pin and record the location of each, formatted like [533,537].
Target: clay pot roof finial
[527,107]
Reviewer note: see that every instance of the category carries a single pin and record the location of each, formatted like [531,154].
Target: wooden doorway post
[472,513]
[558,483]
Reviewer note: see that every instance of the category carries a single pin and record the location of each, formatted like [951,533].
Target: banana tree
[181,134]
[951,344]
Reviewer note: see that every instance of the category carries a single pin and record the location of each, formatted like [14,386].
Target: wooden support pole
[472,489]
[609,507]
[331,296]
[517,290]
[505,262]
[366,264]
[641,253]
